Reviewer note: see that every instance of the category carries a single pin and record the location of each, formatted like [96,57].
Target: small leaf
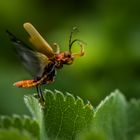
[36,110]
[15,134]
[62,116]
[19,123]
[111,117]
[65,116]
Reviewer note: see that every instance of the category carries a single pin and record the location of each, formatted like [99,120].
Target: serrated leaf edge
[107,98]
[65,95]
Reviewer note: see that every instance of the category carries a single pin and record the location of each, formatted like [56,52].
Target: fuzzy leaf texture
[115,119]
[63,116]
[18,127]
[15,134]
[133,120]
[111,117]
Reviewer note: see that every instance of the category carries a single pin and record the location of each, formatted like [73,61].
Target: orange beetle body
[42,59]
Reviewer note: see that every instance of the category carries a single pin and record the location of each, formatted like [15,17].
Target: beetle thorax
[63,58]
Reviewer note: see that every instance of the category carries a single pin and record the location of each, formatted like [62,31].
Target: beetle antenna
[71,35]
[81,44]
[75,40]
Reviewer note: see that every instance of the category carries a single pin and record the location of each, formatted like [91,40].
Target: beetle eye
[67,54]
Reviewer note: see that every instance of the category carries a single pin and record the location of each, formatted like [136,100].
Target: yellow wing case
[40,44]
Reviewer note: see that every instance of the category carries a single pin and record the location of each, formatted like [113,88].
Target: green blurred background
[111,30]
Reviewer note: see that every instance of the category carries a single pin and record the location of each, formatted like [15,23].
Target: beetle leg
[39,92]
[57,48]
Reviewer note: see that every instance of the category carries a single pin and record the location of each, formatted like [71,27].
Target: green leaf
[15,134]
[133,119]
[114,119]
[36,110]
[24,123]
[63,116]
[111,117]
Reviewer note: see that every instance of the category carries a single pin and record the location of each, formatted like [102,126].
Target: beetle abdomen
[26,83]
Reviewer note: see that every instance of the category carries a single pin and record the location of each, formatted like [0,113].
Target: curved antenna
[81,43]
[71,35]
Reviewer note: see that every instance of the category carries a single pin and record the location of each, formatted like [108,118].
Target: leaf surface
[111,117]
[62,116]
[17,125]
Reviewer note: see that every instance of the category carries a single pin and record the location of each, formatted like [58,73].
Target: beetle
[41,60]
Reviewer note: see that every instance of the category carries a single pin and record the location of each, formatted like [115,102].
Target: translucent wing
[40,44]
[33,61]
